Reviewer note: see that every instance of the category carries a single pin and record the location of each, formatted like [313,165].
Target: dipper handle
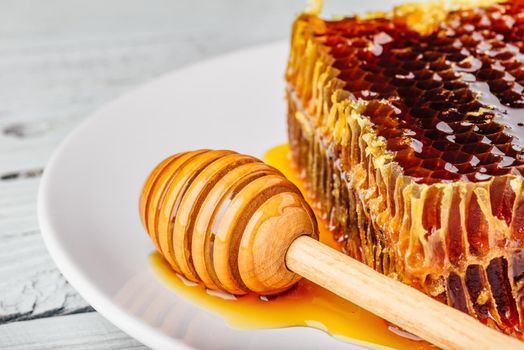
[392,300]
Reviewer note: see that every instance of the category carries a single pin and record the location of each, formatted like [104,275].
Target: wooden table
[59,61]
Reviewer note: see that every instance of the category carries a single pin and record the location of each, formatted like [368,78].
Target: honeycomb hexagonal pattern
[412,143]
[455,95]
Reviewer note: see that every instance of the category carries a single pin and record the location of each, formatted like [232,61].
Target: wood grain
[57,65]
[88,331]
[30,284]
[59,61]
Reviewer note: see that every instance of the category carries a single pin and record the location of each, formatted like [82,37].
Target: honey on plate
[306,304]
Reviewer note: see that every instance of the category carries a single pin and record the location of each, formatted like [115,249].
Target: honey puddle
[304,305]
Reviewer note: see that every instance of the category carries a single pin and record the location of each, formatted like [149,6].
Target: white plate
[88,198]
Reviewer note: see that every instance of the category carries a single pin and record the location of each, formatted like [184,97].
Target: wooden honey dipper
[238,225]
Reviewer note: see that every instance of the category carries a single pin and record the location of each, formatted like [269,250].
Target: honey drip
[306,304]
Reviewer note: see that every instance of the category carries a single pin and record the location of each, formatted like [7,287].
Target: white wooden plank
[17,208]
[59,61]
[46,90]
[72,82]
[30,284]
[88,331]
[56,67]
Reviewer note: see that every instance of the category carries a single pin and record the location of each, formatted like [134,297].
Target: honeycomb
[411,140]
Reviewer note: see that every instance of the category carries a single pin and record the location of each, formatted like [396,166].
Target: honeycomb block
[411,137]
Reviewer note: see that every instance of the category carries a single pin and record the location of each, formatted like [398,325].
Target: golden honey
[407,128]
[306,304]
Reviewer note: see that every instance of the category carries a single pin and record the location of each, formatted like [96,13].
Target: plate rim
[83,285]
